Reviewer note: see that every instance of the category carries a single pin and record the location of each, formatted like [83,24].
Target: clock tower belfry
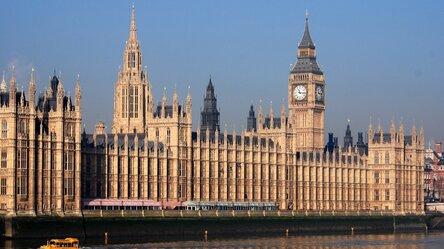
[306,99]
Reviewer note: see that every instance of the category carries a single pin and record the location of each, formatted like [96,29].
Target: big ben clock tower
[306,99]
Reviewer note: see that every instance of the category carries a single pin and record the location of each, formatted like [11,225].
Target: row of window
[386,158]
[22,185]
[378,197]
[23,128]
[378,175]
[22,159]
[168,135]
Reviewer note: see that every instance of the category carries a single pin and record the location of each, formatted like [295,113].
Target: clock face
[319,93]
[299,92]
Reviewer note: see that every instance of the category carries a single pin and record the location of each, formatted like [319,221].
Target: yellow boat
[68,243]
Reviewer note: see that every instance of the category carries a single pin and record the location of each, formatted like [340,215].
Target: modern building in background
[153,155]
[434,174]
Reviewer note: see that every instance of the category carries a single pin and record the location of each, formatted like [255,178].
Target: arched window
[4,161]
[168,135]
[182,135]
[22,127]
[134,102]
[131,60]
[124,105]
[3,186]
[376,158]
[69,130]
[22,157]
[387,157]
[4,128]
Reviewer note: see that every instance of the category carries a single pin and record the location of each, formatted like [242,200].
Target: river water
[433,240]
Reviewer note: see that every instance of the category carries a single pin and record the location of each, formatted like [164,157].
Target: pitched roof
[306,41]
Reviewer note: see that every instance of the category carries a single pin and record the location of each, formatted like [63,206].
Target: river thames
[433,240]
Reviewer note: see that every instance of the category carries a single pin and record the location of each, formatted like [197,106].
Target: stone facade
[40,150]
[152,153]
[279,159]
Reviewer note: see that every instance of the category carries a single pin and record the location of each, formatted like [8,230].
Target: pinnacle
[133,29]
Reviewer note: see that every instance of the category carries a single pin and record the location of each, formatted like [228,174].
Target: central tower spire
[133,29]
[132,59]
[131,96]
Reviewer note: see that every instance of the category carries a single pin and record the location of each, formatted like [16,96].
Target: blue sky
[381,59]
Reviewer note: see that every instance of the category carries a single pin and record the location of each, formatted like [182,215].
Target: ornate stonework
[40,150]
[282,161]
[152,154]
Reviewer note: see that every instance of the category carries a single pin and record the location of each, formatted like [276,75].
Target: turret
[78,96]
[60,96]
[348,139]
[370,133]
[414,138]
[150,100]
[32,92]
[164,102]
[360,144]
[251,121]
[210,114]
[271,115]
[22,98]
[3,84]
[392,132]
[401,133]
[12,90]
[68,104]
[189,104]
[49,90]
[175,102]
[283,115]
[421,136]
[381,134]
[260,116]
[225,135]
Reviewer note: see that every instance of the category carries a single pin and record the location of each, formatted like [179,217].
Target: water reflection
[367,241]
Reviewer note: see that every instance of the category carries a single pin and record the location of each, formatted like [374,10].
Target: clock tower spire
[306,98]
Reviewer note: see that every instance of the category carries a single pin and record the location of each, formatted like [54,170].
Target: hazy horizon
[381,59]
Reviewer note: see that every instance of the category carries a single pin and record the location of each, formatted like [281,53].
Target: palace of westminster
[49,165]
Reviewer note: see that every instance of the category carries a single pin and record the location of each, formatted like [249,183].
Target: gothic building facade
[40,149]
[152,153]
